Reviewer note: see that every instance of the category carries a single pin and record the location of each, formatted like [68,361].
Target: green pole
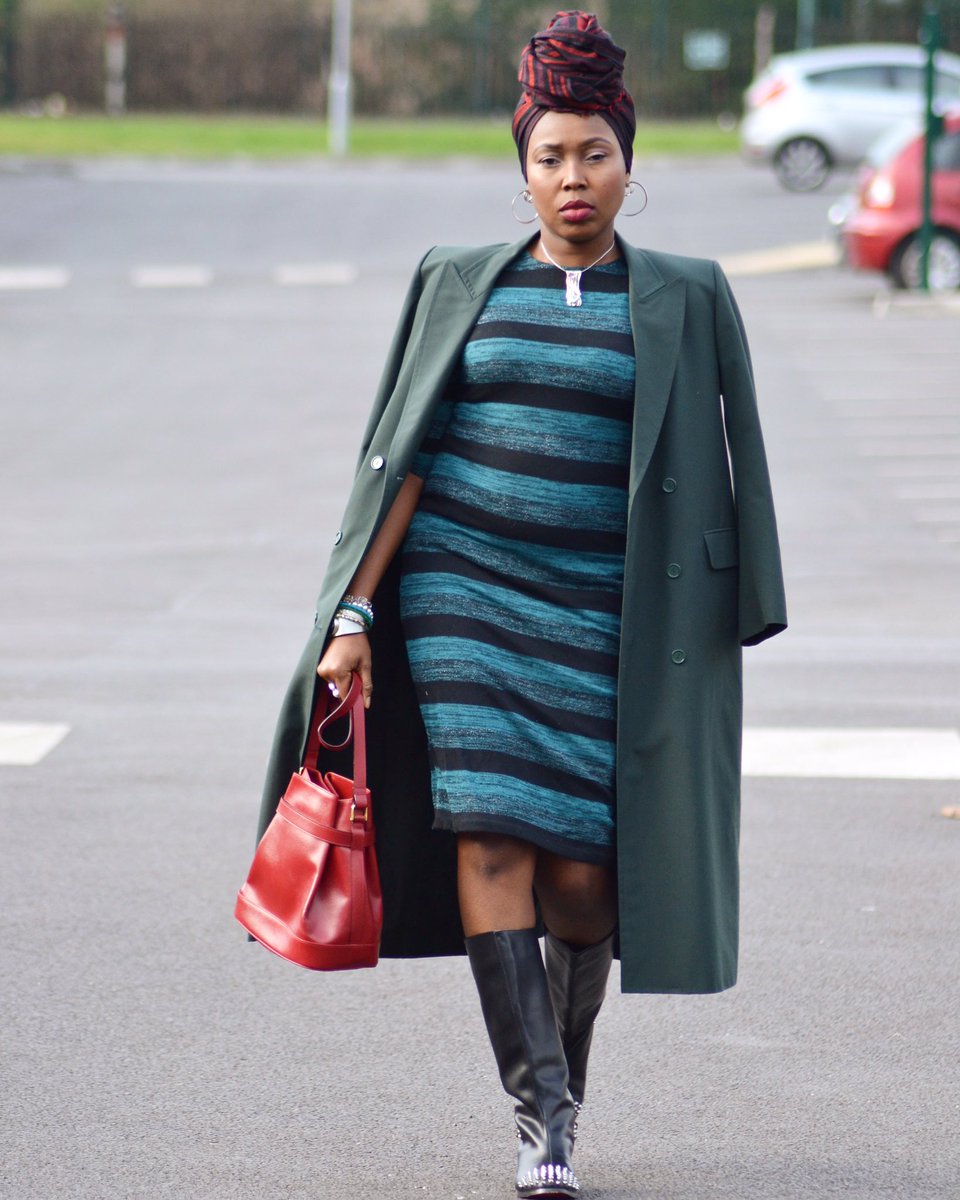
[930,39]
[8,50]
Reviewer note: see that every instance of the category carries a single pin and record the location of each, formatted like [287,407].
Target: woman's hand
[350,652]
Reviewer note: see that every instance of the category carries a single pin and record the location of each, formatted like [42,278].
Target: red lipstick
[577,210]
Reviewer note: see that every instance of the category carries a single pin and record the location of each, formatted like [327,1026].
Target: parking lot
[185,375]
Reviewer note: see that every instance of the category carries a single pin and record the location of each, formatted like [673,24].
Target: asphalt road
[174,449]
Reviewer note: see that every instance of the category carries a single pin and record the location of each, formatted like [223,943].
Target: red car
[881,232]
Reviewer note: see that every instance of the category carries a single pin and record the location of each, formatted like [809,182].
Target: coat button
[674,570]
[377,462]
[338,538]
[669,485]
[678,657]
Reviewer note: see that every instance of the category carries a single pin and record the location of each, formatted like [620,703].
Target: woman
[563,578]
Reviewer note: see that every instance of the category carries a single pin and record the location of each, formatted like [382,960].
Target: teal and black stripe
[513,564]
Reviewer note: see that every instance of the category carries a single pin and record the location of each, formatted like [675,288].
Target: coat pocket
[722,548]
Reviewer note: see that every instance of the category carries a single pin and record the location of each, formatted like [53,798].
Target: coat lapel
[656,313]
[450,316]
[657,308]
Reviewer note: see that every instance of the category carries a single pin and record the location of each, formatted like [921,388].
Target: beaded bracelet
[361,606]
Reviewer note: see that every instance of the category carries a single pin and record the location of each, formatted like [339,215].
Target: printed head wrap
[574,66]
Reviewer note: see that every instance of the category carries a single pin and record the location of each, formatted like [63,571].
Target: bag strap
[351,704]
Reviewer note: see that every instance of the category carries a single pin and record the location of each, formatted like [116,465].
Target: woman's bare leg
[578,900]
[495,881]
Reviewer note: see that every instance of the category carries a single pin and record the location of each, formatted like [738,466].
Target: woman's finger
[366,678]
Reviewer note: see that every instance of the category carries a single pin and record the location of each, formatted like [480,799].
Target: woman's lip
[577,212]
[577,205]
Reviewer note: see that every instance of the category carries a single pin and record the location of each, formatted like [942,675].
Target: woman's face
[577,178]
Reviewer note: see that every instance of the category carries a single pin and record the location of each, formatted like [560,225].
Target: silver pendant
[574,299]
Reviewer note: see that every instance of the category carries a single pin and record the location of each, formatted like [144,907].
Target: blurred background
[410,57]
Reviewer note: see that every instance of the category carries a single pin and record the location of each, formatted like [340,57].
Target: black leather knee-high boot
[578,983]
[515,999]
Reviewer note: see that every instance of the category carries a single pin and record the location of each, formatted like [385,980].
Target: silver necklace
[574,299]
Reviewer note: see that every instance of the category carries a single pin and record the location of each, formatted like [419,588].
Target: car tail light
[765,91]
[880,192]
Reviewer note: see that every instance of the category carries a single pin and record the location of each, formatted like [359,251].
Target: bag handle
[352,704]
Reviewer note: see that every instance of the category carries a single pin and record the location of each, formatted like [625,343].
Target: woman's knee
[576,892]
[492,857]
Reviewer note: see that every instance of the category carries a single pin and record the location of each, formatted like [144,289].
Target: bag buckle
[364,815]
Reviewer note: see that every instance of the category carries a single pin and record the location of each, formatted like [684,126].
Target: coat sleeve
[761,604]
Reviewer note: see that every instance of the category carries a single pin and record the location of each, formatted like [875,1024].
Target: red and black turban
[574,66]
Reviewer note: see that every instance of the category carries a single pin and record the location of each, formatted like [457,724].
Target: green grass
[216,137]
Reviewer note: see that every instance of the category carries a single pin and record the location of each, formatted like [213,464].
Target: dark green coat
[702,577]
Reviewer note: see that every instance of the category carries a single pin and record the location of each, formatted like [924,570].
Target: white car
[816,109]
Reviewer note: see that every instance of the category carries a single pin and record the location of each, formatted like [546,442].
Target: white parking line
[906,468]
[799,256]
[896,410]
[882,428]
[781,752]
[32,279]
[24,744]
[937,516]
[852,753]
[315,274]
[172,277]
[908,448]
[928,491]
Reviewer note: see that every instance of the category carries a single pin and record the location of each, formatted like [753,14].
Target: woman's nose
[573,174]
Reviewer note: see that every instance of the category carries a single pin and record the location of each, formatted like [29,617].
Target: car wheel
[802,164]
[944,267]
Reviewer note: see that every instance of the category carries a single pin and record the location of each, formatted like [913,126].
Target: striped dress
[512,569]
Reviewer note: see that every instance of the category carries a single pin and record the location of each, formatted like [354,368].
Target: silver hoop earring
[525,195]
[631,188]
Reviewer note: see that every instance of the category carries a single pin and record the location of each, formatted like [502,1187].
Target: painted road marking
[799,256]
[172,277]
[32,279]
[24,744]
[867,410]
[796,257]
[921,754]
[315,274]
[906,468]
[908,448]
[852,753]
[928,491]
[882,428]
[937,516]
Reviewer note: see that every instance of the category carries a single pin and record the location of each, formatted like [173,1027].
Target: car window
[864,78]
[946,152]
[948,86]
[912,79]
[908,79]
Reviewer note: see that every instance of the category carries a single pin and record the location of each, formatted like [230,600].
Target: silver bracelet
[343,625]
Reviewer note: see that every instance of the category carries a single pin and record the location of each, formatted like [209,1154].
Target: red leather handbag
[313,892]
